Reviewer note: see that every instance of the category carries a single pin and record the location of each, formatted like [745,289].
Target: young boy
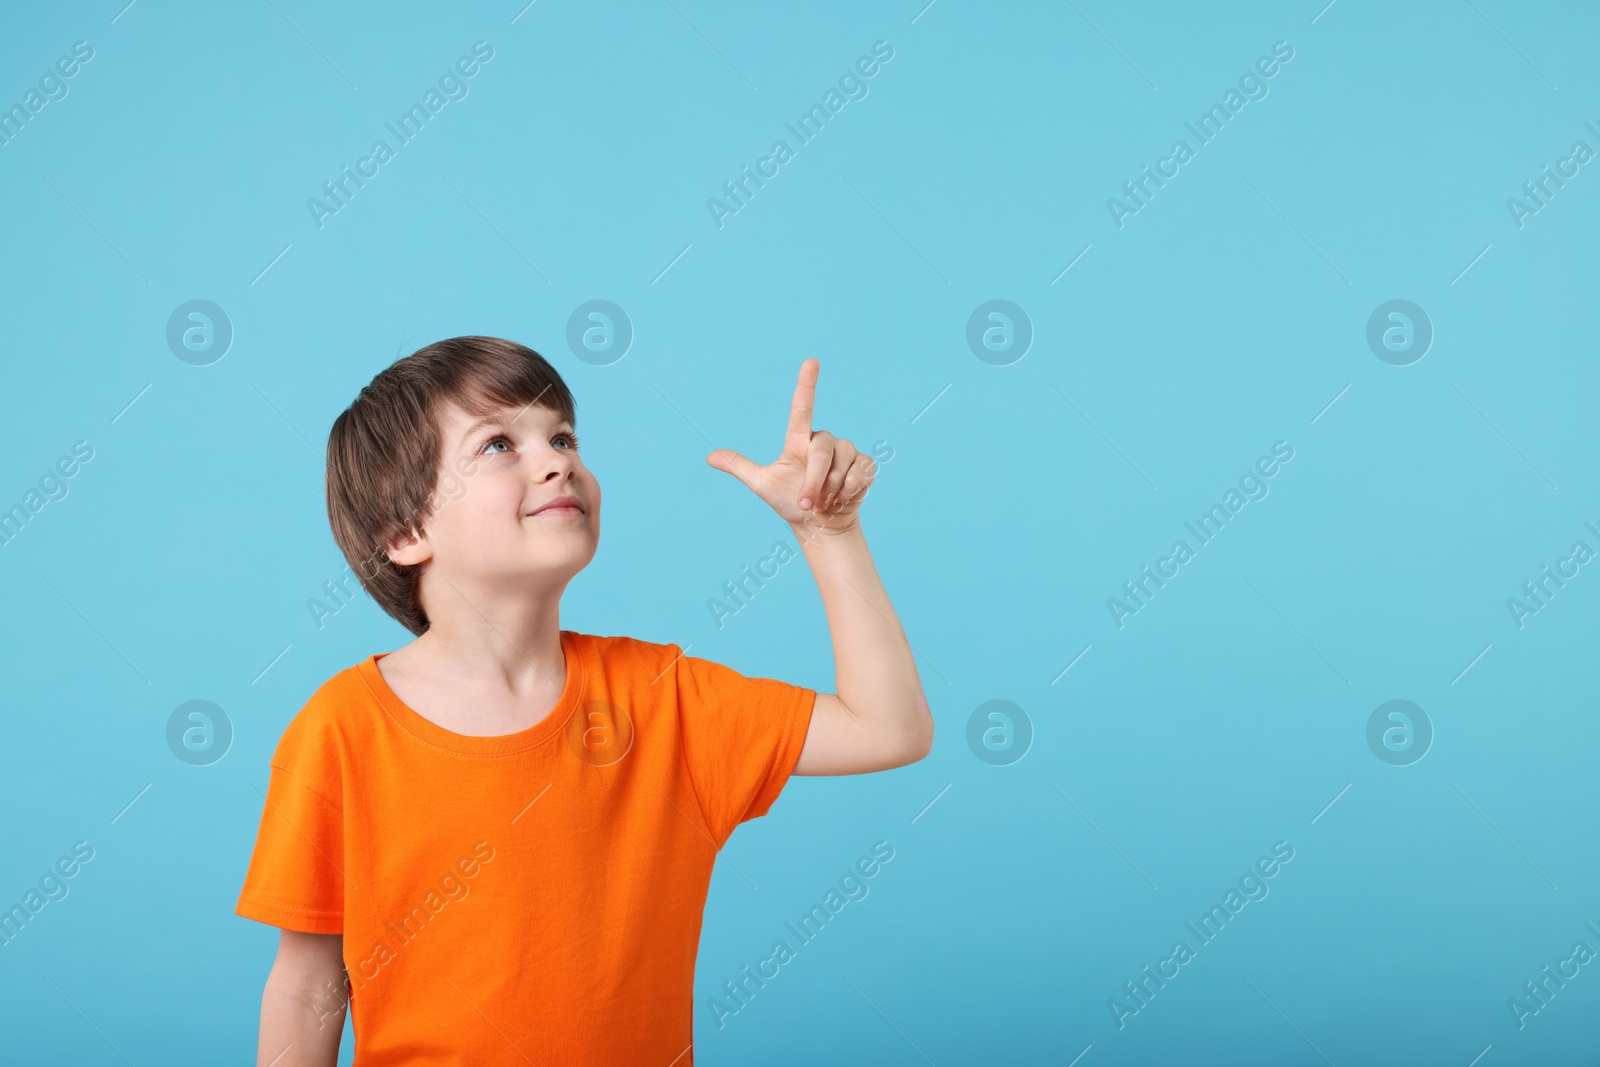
[494,844]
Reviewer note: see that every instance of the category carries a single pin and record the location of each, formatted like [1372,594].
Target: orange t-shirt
[534,896]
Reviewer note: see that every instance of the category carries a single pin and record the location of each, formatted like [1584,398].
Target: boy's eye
[570,438]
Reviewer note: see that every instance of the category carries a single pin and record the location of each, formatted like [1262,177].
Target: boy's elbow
[918,739]
[918,751]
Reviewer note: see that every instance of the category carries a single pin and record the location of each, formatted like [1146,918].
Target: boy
[494,844]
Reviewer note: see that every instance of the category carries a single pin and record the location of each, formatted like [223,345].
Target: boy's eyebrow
[487,420]
[497,415]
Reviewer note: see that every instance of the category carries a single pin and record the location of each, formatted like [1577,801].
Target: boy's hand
[819,480]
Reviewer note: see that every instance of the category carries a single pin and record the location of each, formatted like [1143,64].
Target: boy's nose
[560,470]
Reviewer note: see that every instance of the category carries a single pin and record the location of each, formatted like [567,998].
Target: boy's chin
[555,561]
[528,580]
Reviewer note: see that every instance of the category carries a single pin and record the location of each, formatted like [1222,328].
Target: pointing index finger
[805,399]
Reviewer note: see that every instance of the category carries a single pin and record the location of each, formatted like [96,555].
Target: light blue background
[1222,318]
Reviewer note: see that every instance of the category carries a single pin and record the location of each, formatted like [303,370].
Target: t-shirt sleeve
[296,875]
[741,737]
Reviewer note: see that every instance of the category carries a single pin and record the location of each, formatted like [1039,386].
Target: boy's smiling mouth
[560,507]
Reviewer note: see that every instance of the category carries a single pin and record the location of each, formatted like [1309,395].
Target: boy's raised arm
[880,717]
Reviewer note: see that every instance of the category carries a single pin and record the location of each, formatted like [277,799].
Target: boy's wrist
[812,530]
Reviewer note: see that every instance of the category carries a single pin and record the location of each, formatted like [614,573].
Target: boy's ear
[409,548]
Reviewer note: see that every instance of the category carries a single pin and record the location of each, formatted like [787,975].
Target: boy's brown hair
[384,451]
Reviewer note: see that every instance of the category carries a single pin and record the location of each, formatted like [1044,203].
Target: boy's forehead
[459,420]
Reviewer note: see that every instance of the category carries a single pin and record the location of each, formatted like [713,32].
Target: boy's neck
[518,655]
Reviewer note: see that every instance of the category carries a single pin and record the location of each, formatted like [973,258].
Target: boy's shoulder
[668,669]
[624,646]
[338,707]
[623,659]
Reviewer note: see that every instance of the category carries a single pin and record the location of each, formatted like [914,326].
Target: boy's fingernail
[805,503]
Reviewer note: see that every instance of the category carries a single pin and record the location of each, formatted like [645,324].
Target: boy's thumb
[726,459]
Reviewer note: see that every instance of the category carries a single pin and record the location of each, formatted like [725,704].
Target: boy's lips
[561,506]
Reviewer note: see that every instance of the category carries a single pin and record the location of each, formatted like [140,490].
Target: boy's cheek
[450,488]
